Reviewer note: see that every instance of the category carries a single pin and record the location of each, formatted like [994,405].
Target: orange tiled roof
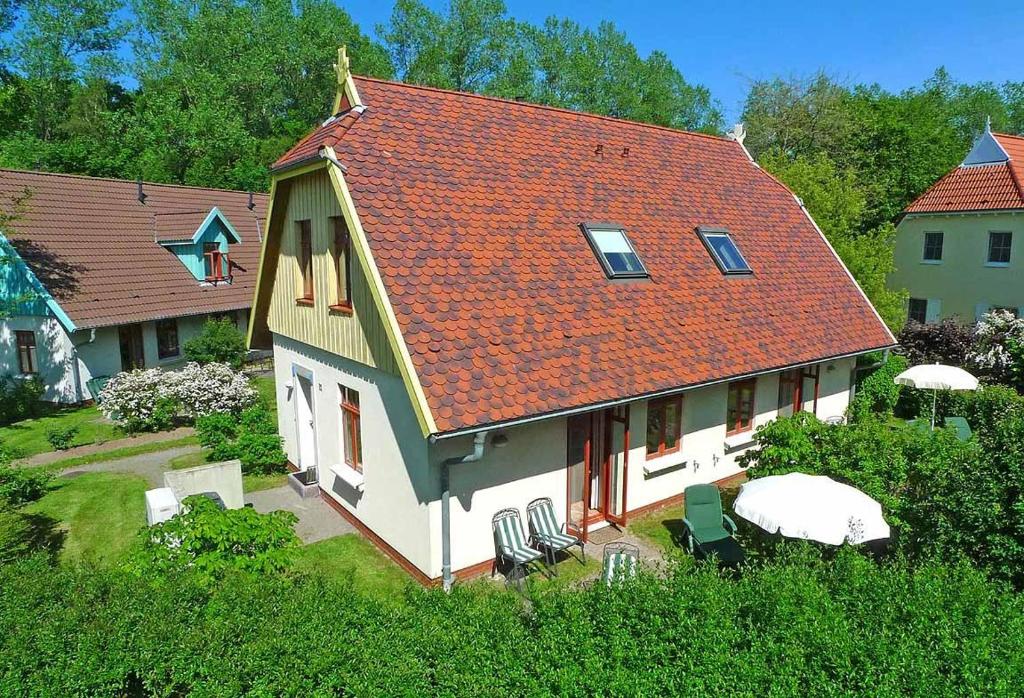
[990,186]
[94,245]
[472,208]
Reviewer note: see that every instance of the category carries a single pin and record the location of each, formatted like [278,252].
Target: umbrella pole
[935,396]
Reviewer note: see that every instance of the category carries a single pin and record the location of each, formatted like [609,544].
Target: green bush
[261,453]
[212,541]
[61,436]
[796,626]
[943,498]
[251,437]
[219,342]
[20,398]
[21,485]
[877,393]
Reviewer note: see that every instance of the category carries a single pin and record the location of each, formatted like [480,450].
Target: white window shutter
[979,310]
[933,310]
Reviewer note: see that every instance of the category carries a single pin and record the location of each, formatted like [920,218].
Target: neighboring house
[475,302]
[960,245]
[121,273]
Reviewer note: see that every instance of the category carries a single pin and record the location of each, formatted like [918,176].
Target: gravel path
[149,465]
[90,449]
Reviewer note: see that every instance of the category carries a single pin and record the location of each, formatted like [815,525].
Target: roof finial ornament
[346,97]
[738,133]
[988,123]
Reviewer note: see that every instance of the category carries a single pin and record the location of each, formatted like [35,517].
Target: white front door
[304,425]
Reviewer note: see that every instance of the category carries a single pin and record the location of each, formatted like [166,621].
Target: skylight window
[724,251]
[615,251]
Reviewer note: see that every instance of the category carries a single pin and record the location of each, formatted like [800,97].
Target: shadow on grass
[23,534]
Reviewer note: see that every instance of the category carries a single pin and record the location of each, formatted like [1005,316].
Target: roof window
[614,250]
[724,251]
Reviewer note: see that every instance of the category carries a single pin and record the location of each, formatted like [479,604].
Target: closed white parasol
[937,377]
[812,507]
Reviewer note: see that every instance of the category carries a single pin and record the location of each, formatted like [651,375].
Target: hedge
[795,626]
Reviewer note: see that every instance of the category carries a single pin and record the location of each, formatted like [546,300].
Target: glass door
[579,438]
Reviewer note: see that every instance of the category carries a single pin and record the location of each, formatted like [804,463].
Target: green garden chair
[621,562]
[963,429]
[705,525]
[547,533]
[96,385]
[511,544]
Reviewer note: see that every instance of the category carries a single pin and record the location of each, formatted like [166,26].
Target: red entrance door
[597,468]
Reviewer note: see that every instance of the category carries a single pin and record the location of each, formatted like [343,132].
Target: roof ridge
[547,107]
[131,181]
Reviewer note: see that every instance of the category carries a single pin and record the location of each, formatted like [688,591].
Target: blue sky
[724,45]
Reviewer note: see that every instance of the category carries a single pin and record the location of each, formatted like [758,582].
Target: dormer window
[614,251]
[200,240]
[216,264]
[724,251]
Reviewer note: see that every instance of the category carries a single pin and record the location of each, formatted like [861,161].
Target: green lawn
[265,386]
[353,556]
[100,513]
[663,527]
[28,437]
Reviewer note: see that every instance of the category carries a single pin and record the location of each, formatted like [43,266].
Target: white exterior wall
[59,354]
[399,485]
[533,463]
[400,498]
[54,354]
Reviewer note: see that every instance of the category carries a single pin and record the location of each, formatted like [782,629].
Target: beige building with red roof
[474,303]
[960,245]
[118,274]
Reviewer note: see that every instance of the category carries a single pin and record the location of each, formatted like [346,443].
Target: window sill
[308,302]
[341,308]
[352,478]
[997,265]
[169,359]
[653,470]
[931,261]
[739,440]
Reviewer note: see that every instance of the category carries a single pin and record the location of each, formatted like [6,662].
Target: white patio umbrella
[812,507]
[936,377]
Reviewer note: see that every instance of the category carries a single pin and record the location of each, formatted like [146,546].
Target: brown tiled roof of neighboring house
[998,185]
[472,207]
[94,245]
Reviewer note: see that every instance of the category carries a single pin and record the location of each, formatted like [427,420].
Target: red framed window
[26,342]
[664,426]
[215,262]
[305,243]
[739,415]
[341,252]
[352,443]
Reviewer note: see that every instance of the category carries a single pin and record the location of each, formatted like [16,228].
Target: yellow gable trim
[380,297]
[259,270]
[346,86]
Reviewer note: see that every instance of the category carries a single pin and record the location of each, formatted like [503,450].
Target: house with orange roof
[960,245]
[474,303]
[108,275]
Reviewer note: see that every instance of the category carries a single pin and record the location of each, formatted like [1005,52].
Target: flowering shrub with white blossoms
[203,390]
[999,347]
[150,399]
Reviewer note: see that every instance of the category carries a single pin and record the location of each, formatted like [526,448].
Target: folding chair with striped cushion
[547,533]
[511,543]
[621,562]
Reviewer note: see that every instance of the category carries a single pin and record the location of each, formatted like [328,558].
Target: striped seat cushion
[510,538]
[619,566]
[542,518]
[558,540]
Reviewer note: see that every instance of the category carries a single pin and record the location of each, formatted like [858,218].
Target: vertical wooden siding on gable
[360,336]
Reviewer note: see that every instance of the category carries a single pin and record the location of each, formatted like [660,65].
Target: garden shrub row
[795,626]
[20,398]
